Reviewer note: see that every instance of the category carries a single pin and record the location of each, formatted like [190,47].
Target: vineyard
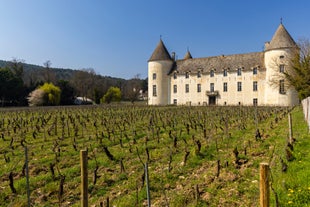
[196,156]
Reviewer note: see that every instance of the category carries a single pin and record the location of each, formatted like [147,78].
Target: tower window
[225,87]
[254,71]
[212,73]
[239,86]
[174,75]
[187,75]
[198,87]
[239,72]
[254,101]
[175,101]
[175,89]
[281,68]
[281,87]
[186,88]
[254,85]
[154,90]
[154,76]
[225,72]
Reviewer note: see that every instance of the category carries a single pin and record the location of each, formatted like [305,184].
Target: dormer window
[174,75]
[187,75]
[199,74]
[239,72]
[212,73]
[255,71]
[225,72]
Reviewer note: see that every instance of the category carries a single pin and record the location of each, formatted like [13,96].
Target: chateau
[242,79]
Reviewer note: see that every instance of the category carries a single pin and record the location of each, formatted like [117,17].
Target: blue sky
[117,37]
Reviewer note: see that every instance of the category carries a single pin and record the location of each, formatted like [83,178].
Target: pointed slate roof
[281,39]
[188,55]
[160,52]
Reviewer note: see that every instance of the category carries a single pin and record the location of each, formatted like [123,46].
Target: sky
[117,37]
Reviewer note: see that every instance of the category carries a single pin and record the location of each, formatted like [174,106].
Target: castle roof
[281,39]
[218,63]
[160,52]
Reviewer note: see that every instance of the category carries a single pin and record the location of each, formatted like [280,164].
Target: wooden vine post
[148,195]
[27,176]
[264,185]
[84,178]
[290,128]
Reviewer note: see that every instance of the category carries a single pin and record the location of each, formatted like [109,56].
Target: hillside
[61,73]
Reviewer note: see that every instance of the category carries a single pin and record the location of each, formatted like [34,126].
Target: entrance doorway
[212,100]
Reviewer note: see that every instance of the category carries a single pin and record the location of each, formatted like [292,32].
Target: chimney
[173,56]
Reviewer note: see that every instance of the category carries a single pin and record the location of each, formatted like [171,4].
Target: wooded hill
[84,82]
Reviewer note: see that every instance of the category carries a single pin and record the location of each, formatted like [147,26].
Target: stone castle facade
[243,79]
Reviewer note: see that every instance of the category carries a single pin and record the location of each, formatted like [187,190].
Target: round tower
[277,56]
[159,66]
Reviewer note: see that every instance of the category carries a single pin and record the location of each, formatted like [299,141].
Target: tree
[10,86]
[299,74]
[67,92]
[36,97]
[83,81]
[46,95]
[48,74]
[113,95]
[52,94]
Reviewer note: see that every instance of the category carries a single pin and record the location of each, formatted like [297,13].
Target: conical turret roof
[188,55]
[160,52]
[281,39]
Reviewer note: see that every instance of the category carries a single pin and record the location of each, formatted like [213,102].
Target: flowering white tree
[36,98]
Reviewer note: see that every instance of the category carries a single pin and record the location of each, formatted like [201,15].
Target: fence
[306,108]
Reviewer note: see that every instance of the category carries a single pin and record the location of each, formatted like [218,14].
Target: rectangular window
[255,86]
[186,88]
[281,87]
[175,101]
[212,73]
[154,90]
[225,72]
[187,75]
[239,86]
[281,68]
[254,71]
[174,75]
[225,87]
[211,87]
[199,88]
[199,74]
[175,89]
[239,72]
[154,76]
[254,101]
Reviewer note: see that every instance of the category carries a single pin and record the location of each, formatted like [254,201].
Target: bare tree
[48,74]
[294,70]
